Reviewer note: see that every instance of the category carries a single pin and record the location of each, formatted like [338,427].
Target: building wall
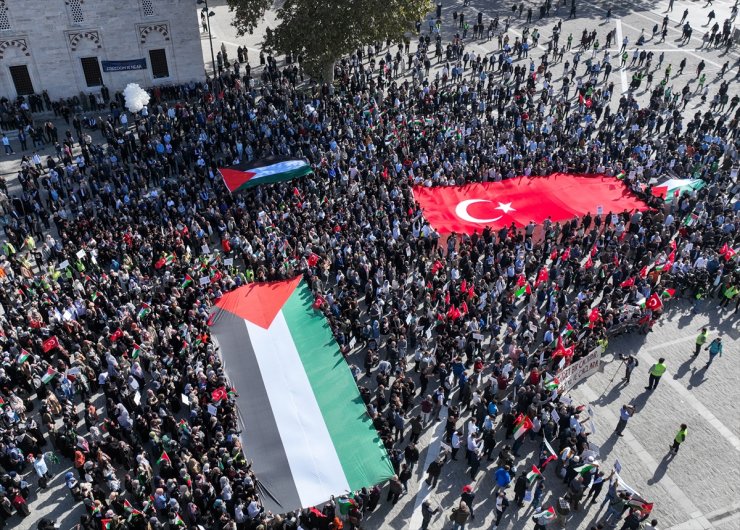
[51,36]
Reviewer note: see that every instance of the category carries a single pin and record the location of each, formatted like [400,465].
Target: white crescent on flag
[461,210]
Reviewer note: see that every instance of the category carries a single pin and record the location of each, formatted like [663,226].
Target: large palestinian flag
[305,425]
[265,171]
[560,196]
[670,189]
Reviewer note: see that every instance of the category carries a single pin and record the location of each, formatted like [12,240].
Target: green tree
[322,31]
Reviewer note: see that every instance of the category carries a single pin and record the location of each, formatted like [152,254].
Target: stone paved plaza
[698,488]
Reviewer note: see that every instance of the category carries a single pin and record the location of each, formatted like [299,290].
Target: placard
[80,254]
[571,375]
[124,66]
[599,210]
[212,410]
[229,262]
[185,399]
[205,280]
[478,336]
[64,264]
[205,250]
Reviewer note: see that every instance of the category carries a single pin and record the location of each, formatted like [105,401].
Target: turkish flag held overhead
[561,196]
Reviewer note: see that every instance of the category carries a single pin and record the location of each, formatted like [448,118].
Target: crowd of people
[107,362]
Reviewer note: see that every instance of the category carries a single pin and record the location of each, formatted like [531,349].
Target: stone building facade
[71,46]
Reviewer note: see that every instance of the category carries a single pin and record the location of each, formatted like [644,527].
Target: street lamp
[209,14]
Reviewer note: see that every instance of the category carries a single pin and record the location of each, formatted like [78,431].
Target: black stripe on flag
[262,162]
[262,442]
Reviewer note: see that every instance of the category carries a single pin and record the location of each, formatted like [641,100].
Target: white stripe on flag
[313,461]
[280,167]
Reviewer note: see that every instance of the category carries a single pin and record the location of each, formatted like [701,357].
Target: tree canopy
[322,31]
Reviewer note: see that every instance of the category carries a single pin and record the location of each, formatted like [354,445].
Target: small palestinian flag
[49,375]
[521,425]
[690,219]
[23,357]
[179,521]
[641,504]
[144,311]
[585,468]
[188,280]
[534,474]
[136,351]
[164,457]
[130,509]
[545,516]
[524,289]
[265,171]
[105,524]
[568,331]
[552,384]
[95,296]
[668,293]
[345,505]
[184,425]
[620,175]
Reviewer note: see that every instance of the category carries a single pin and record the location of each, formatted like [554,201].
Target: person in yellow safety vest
[656,372]
[678,439]
[729,293]
[701,339]
[8,248]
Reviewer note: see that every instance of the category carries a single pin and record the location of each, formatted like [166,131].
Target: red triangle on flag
[235,179]
[259,303]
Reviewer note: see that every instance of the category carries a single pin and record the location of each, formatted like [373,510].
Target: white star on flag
[505,207]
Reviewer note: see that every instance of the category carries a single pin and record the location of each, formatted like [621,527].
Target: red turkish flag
[589,263]
[643,272]
[218,394]
[629,282]
[541,277]
[654,303]
[470,208]
[594,317]
[49,344]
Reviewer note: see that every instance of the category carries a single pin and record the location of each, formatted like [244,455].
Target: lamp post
[209,14]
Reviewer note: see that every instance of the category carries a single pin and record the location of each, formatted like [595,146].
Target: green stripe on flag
[360,450]
[276,177]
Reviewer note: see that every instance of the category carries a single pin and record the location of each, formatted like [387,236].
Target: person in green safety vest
[678,439]
[656,372]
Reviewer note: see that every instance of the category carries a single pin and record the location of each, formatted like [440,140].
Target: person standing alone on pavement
[656,372]
[626,412]
[700,340]
[715,348]
[678,439]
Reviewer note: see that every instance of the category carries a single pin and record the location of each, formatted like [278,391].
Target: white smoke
[136,97]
